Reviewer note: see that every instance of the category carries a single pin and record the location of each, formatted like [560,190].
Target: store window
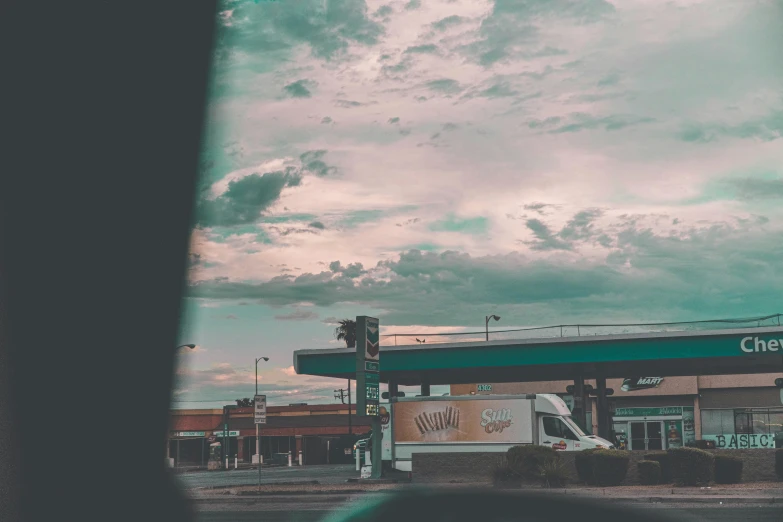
[743,428]
[717,422]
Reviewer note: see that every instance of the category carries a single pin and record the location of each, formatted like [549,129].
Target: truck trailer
[478,423]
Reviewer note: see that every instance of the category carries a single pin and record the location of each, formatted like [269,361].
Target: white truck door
[556,434]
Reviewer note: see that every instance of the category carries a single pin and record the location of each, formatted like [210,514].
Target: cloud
[444,85]
[240,197]
[348,104]
[514,25]
[312,162]
[424,49]
[545,239]
[477,225]
[245,199]
[300,88]
[225,381]
[351,271]
[766,128]
[581,122]
[191,351]
[660,275]
[753,189]
[298,315]
[448,22]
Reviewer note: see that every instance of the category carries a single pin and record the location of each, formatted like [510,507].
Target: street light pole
[486,322]
[258,433]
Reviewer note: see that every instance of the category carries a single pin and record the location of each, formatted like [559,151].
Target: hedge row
[728,469]
[779,463]
[601,467]
[649,472]
[691,466]
[682,466]
[533,463]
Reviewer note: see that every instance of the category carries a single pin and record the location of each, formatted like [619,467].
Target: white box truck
[478,423]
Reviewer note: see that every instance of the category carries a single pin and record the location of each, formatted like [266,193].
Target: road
[298,509]
[327,474]
[313,508]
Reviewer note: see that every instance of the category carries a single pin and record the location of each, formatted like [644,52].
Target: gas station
[756,350]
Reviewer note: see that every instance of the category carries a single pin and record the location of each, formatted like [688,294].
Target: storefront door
[646,435]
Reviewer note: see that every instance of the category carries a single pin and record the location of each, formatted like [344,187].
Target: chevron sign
[373,340]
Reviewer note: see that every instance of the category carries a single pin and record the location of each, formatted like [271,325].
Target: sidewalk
[240,466]
[760,493]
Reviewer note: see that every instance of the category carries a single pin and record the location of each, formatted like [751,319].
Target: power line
[674,323]
[216,400]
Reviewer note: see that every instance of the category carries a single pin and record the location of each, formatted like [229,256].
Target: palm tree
[346,332]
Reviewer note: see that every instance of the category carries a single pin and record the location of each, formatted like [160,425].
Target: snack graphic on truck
[430,422]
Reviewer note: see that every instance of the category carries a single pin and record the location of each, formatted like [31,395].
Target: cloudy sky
[431,162]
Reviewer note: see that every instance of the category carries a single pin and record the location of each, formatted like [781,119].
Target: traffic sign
[370,366]
[259,414]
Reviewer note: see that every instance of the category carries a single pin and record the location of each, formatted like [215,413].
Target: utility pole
[225,436]
[350,427]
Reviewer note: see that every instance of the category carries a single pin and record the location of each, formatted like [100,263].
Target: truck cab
[558,430]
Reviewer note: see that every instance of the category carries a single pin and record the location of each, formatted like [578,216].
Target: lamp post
[258,433]
[486,322]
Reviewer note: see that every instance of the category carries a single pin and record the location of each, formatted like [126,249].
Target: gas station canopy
[705,352]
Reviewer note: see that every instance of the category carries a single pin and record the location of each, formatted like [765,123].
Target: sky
[433,162]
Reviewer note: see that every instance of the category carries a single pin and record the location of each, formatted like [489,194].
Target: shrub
[662,458]
[609,467]
[583,460]
[504,475]
[779,463]
[527,461]
[691,466]
[554,474]
[728,469]
[649,472]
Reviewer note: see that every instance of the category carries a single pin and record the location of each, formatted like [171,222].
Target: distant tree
[346,332]
[245,403]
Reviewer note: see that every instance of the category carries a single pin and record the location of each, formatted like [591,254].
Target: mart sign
[640,383]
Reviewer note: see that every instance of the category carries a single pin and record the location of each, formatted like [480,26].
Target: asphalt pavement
[326,474]
[293,509]
[313,508]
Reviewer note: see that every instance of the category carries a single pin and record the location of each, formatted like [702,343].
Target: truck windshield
[573,426]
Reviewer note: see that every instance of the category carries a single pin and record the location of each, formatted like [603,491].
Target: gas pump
[215,456]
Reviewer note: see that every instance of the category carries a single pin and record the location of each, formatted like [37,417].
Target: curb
[379,481]
[336,496]
[697,500]
[248,496]
[229,486]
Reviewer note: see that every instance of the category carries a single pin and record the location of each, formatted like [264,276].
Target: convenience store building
[650,413]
